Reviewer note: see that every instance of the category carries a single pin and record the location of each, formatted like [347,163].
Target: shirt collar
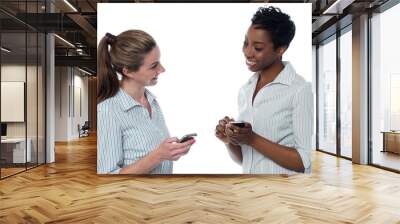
[286,76]
[127,102]
[150,96]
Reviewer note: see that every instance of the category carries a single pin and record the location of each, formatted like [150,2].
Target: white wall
[15,73]
[201,50]
[80,83]
[67,116]
[61,103]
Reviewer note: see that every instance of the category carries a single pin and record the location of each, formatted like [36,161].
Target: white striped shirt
[282,113]
[126,133]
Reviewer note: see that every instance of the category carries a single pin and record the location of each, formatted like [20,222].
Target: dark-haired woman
[276,104]
[132,135]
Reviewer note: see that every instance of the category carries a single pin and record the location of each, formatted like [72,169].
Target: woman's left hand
[240,135]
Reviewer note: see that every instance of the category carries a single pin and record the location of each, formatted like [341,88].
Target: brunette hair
[127,50]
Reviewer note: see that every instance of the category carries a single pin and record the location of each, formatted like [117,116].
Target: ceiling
[76,21]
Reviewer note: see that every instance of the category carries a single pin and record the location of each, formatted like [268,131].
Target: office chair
[84,130]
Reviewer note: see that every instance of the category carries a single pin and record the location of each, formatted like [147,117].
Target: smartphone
[239,124]
[187,137]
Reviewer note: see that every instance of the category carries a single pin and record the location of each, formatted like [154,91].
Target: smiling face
[259,50]
[148,72]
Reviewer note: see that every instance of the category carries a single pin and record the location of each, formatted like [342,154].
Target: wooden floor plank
[70,191]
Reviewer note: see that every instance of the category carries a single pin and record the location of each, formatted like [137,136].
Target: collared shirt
[282,112]
[126,133]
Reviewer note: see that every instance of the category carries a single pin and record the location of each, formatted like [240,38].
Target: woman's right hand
[220,129]
[171,149]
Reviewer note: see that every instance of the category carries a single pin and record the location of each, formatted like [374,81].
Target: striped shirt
[282,112]
[126,133]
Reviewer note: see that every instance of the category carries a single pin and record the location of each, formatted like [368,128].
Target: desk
[13,150]
[391,141]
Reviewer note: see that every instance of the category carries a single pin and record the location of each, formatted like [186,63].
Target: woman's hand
[239,135]
[170,149]
[220,129]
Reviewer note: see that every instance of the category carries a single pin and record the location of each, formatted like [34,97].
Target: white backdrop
[201,50]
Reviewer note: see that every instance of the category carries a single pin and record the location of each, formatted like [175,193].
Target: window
[327,96]
[346,75]
[385,89]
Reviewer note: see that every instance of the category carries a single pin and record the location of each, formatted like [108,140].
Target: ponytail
[107,83]
[128,50]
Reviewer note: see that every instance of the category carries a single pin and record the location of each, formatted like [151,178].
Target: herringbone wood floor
[69,191]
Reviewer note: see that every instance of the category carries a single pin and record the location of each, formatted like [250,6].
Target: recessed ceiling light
[5,50]
[338,6]
[70,5]
[64,40]
[86,72]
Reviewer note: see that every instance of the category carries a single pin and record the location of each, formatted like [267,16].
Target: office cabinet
[391,142]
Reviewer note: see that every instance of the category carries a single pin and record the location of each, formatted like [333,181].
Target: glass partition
[327,96]
[22,89]
[13,96]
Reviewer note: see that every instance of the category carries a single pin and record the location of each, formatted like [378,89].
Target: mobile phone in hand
[239,124]
[187,137]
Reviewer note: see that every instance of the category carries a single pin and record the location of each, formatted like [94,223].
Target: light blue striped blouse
[282,113]
[126,133]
